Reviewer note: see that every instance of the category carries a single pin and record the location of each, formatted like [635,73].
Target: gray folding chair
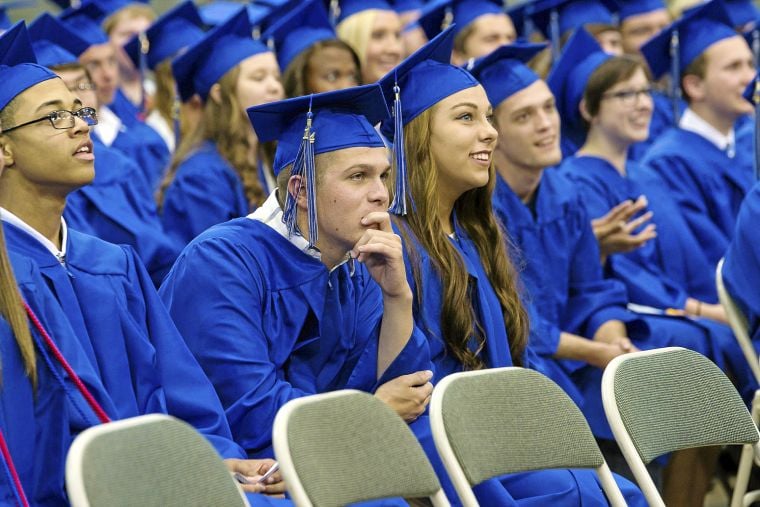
[146,461]
[348,446]
[664,400]
[738,323]
[493,422]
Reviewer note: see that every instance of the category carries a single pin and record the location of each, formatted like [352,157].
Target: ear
[195,101]
[583,109]
[215,93]
[299,194]
[693,86]
[6,152]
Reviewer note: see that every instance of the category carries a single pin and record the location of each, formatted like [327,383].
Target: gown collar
[12,219]
[693,123]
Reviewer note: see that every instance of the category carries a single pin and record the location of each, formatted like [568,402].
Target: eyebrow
[57,103]
[466,104]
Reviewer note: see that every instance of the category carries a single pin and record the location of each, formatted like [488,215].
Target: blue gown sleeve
[217,301]
[190,395]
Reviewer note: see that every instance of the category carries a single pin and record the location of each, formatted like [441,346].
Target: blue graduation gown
[127,112]
[206,191]
[708,185]
[269,323]
[741,268]
[39,427]
[545,487]
[561,273]
[118,207]
[127,334]
[602,187]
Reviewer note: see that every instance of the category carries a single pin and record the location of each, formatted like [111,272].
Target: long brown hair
[475,215]
[12,310]
[225,124]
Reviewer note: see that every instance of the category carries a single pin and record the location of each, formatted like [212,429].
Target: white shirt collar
[109,125]
[12,219]
[270,213]
[693,123]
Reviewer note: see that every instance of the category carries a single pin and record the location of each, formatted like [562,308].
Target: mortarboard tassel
[144,48]
[756,45]
[675,75]
[398,206]
[303,166]
[554,34]
[175,118]
[310,172]
[756,137]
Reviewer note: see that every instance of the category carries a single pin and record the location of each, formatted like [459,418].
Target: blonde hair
[474,214]
[356,31]
[165,98]
[226,125]
[131,11]
[12,310]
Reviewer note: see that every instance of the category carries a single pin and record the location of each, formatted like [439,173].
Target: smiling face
[624,117]
[462,140]
[55,161]
[351,183]
[384,47]
[528,125]
[728,70]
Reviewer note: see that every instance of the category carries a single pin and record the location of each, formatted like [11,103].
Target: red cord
[99,412]
[12,469]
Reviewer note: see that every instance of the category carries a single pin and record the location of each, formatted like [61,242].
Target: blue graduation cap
[85,21]
[313,124]
[175,30]
[223,47]
[741,12]
[402,6]
[347,8]
[422,80]
[568,78]
[504,72]
[436,16]
[299,29]
[628,8]
[217,12]
[54,43]
[678,45]
[439,15]
[112,6]
[19,70]
[555,18]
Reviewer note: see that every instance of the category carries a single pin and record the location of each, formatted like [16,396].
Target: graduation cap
[19,70]
[628,8]
[568,78]
[221,49]
[175,30]
[437,15]
[298,30]
[678,45]
[422,80]
[343,9]
[110,7]
[85,22]
[402,6]
[217,12]
[555,18]
[314,124]
[504,72]
[741,12]
[54,43]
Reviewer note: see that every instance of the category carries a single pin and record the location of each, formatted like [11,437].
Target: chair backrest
[738,322]
[491,422]
[349,446]
[151,460]
[664,400]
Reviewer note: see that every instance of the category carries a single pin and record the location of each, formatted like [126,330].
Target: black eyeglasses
[629,97]
[64,119]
